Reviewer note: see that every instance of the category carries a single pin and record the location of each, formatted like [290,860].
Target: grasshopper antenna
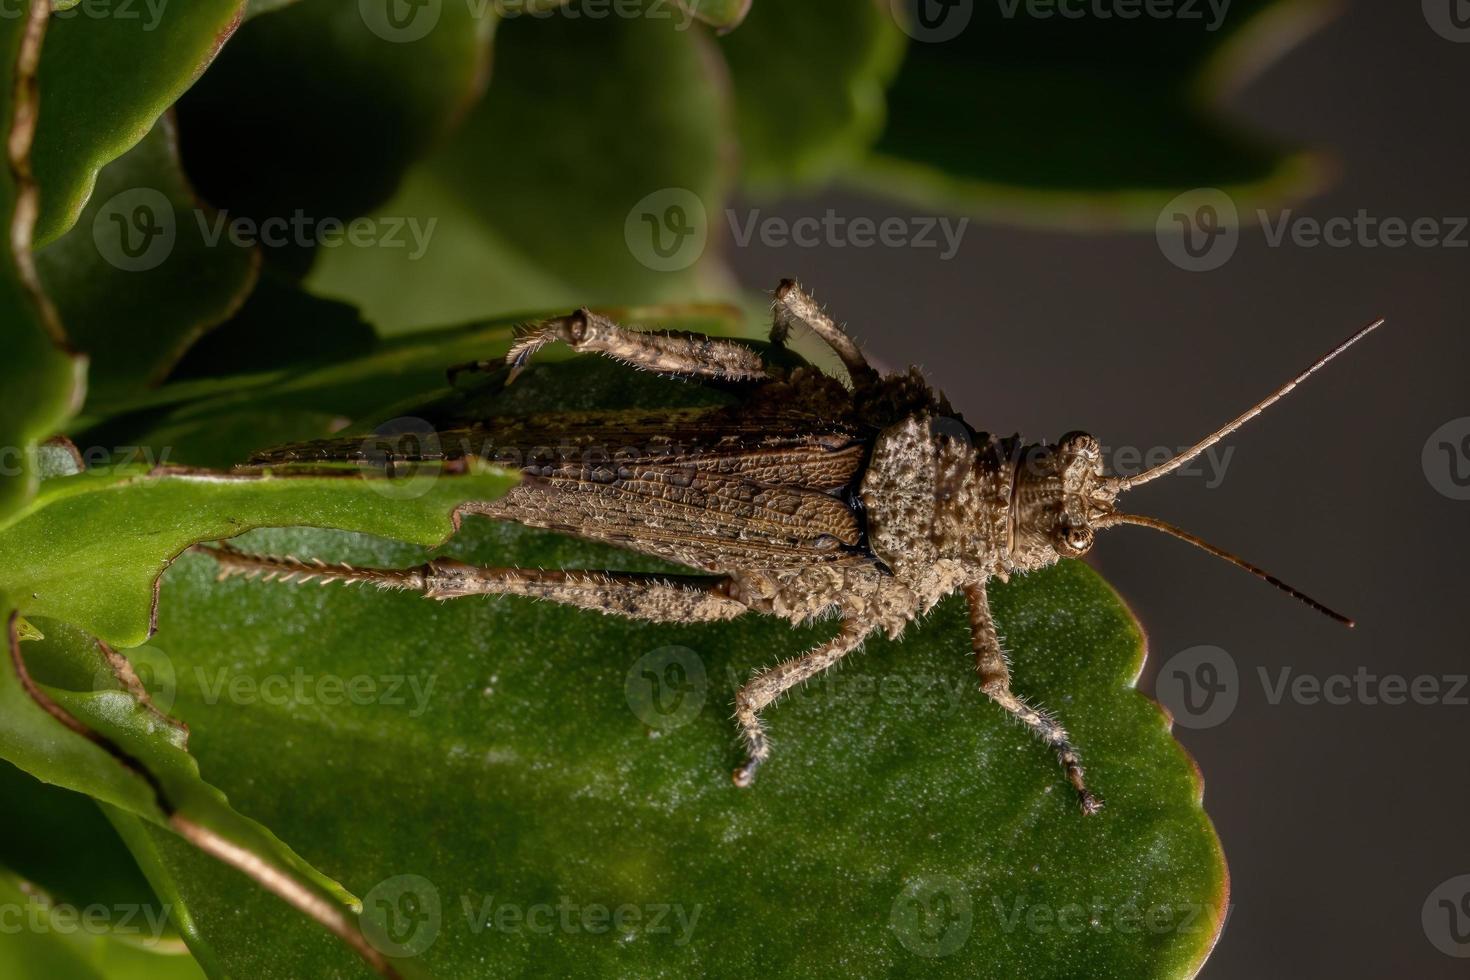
[1169,529]
[1169,466]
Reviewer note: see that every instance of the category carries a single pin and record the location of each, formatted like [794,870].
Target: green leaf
[809,80]
[75,856]
[88,551]
[508,771]
[538,202]
[42,379]
[1092,121]
[334,102]
[119,749]
[146,271]
[85,897]
[44,940]
[293,937]
[107,73]
[89,548]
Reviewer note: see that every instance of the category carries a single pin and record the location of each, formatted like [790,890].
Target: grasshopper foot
[745,775]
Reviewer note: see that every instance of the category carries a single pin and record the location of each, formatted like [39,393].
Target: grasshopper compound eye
[1081,444]
[1074,540]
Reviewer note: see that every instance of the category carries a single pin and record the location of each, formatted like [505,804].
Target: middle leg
[995,681]
[770,684]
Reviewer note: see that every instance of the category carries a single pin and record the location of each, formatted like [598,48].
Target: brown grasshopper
[803,498]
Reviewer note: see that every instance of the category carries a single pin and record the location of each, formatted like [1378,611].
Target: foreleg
[995,681]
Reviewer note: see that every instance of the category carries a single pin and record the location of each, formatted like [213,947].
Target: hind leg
[636,595]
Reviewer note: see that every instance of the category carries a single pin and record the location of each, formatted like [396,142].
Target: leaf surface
[506,764]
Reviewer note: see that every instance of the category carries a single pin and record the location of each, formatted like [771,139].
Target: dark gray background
[1337,820]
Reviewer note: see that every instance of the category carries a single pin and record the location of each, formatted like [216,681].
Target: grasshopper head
[1059,495]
